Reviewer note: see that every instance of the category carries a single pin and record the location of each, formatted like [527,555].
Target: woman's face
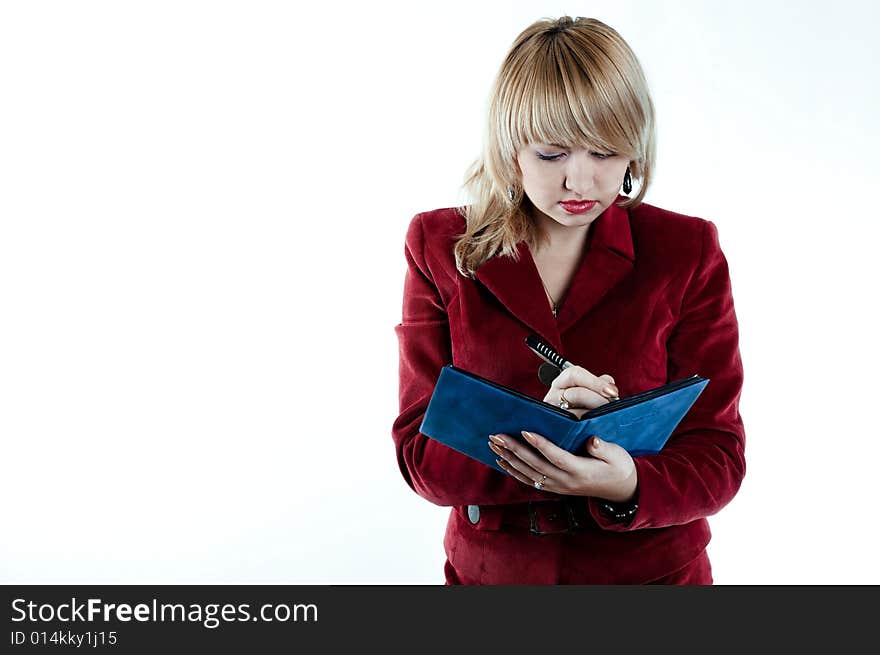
[555,174]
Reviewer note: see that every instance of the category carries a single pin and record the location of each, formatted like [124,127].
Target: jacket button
[474,513]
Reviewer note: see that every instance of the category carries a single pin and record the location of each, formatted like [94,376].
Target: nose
[580,173]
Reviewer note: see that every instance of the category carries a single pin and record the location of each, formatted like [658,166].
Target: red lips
[578,207]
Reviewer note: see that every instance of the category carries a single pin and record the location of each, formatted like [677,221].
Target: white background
[202,215]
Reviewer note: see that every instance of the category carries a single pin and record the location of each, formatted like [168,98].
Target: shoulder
[671,234]
[652,220]
[432,234]
[436,227]
[430,243]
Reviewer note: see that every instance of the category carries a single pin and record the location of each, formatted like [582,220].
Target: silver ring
[539,484]
[563,403]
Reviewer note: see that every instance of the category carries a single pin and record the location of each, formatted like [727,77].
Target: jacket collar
[608,258]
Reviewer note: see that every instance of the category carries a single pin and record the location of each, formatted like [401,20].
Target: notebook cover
[465,409]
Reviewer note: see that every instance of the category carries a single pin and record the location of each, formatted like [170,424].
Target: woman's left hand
[608,471]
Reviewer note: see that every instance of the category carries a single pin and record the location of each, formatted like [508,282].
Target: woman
[637,295]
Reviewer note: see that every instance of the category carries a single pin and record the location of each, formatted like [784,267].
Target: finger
[583,397]
[514,473]
[511,454]
[606,451]
[577,376]
[560,459]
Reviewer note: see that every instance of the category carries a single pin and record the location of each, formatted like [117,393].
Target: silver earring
[510,192]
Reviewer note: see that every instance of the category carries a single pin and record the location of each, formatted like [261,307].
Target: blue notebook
[466,408]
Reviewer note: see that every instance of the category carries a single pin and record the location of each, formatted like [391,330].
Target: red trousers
[697,572]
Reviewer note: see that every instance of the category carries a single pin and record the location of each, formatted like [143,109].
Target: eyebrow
[556,145]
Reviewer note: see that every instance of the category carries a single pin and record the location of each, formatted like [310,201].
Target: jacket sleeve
[434,471]
[702,465]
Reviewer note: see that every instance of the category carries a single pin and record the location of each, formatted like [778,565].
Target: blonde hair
[565,81]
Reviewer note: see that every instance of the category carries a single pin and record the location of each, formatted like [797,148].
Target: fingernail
[497,439]
[611,392]
[501,463]
[529,437]
[494,449]
[596,440]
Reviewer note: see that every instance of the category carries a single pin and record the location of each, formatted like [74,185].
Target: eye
[597,155]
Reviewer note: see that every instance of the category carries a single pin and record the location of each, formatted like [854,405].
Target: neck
[560,238]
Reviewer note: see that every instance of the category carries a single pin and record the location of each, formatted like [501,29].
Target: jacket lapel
[609,257]
[517,285]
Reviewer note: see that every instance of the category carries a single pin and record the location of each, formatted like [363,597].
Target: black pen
[546,352]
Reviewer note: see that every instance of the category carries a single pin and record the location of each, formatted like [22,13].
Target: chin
[576,223]
[581,219]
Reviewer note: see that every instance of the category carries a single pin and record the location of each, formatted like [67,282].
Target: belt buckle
[535,528]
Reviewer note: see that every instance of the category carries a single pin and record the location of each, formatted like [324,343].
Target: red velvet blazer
[650,302]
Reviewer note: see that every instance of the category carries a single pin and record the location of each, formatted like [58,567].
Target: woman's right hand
[583,390]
